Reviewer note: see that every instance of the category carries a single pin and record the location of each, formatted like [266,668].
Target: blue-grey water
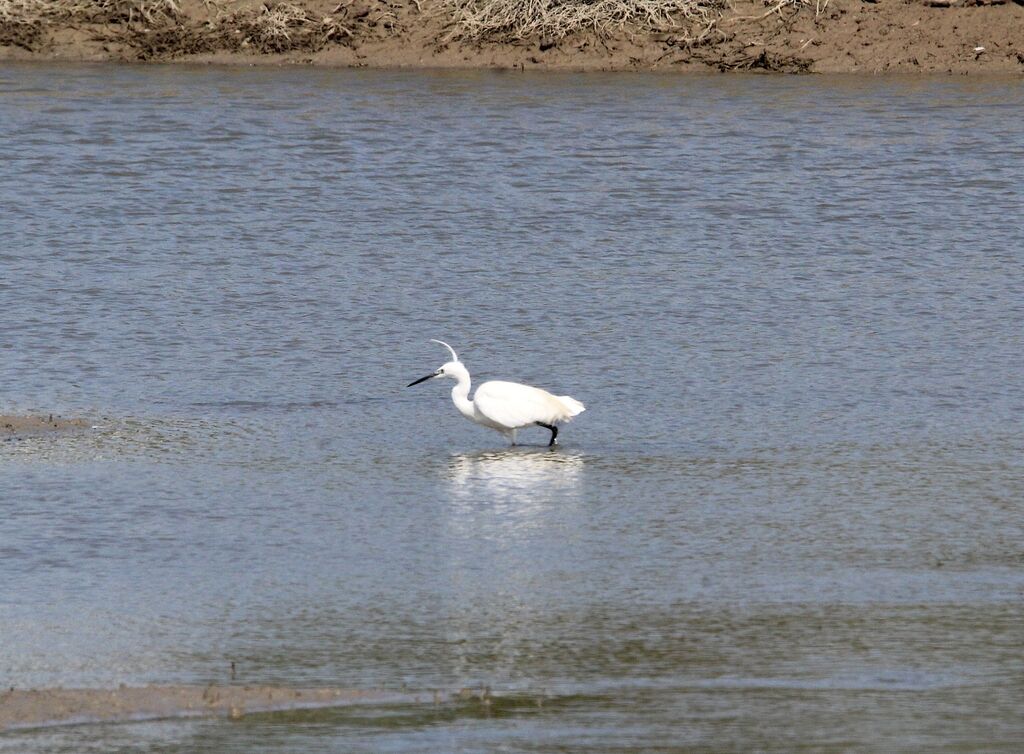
[790,518]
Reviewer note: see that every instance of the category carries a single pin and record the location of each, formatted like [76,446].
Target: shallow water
[789,519]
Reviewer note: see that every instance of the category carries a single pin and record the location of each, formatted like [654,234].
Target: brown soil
[954,36]
[34,708]
[33,426]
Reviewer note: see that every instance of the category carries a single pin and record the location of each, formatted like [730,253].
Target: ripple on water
[131,439]
[789,518]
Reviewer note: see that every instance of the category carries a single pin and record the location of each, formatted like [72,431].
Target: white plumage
[505,406]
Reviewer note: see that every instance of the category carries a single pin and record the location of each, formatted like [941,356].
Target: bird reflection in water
[516,475]
[513,520]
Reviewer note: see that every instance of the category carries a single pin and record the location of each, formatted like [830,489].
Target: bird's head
[454,368]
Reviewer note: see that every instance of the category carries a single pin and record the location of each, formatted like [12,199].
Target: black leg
[554,431]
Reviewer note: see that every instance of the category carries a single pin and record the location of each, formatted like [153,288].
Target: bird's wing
[511,404]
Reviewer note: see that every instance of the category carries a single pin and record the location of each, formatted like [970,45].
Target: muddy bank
[32,708]
[34,426]
[947,36]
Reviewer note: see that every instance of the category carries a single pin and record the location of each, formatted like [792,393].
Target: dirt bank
[954,36]
[34,426]
[33,708]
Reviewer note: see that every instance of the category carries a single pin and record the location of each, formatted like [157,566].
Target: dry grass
[156,29]
[271,29]
[780,6]
[280,28]
[514,20]
[88,11]
[24,34]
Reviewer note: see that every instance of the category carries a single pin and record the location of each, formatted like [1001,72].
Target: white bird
[505,406]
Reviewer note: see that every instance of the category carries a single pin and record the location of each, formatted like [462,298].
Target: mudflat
[797,36]
[29,708]
[30,426]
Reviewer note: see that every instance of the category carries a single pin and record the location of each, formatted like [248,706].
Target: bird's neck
[460,395]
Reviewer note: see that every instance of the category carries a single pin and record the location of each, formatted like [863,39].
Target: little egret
[505,406]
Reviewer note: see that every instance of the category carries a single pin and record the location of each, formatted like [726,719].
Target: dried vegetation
[686,30]
[23,23]
[271,28]
[516,20]
[154,29]
[280,28]
[89,11]
[16,32]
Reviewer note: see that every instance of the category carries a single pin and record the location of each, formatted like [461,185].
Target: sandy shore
[34,426]
[32,708]
[937,36]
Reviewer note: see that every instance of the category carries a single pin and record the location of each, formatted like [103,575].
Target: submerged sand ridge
[31,708]
[12,427]
[868,36]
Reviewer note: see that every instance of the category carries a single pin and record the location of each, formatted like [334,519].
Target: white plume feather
[455,356]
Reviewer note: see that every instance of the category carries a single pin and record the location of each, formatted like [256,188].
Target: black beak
[422,379]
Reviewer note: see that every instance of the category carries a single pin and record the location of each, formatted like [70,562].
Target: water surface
[789,519]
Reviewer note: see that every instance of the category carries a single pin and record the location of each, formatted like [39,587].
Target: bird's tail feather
[572,405]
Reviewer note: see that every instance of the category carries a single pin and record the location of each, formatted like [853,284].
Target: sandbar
[33,708]
[12,426]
